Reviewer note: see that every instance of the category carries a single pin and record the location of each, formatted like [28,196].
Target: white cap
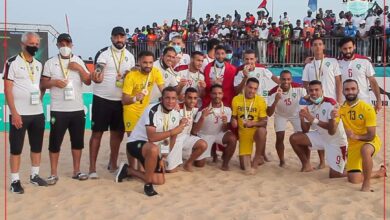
[362,22]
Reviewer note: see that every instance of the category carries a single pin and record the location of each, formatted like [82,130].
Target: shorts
[62,121]
[184,143]
[280,123]
[106,114]
[246,140]
[355,157]
[130,119]
[210,140]
[335,154]
[135,149]
[35,127]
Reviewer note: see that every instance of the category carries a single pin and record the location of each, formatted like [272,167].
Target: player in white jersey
[181,58]
[165,65]
[186,144]
[324,69]
[359,68]
[251,69]
[283,100]
[111,64]
[191,76]
[152,139]
[65,75]
[22,74]
[212,125]
[316,121]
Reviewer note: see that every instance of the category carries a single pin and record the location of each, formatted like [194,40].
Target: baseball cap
[118,30]
[64,36]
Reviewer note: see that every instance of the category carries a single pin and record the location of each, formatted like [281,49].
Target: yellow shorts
[354,159]
[130,119]
[246,141]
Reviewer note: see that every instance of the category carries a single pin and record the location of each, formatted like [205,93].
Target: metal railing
[276,53]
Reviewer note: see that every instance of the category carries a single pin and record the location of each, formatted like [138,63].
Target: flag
[263,4]
[312,5]
[67,22]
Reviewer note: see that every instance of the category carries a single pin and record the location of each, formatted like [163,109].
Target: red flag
[263,4]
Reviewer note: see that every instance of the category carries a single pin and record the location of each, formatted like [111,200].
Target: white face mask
[65,51]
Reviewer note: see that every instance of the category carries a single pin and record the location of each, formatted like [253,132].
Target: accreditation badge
[69,92]
[35,95]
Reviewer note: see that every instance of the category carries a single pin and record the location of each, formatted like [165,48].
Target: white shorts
[183,142]
[335,154]
[210,140]
[280,123]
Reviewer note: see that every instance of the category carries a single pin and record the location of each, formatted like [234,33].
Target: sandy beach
[208,193]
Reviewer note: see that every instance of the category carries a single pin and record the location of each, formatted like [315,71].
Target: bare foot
[250,171]
[215,158]
[225,168]
[172,171]
[187,167]
[282,163]
[321,166]
[366,187]
[382,171]
[307,168]
[258,161]
[266,159]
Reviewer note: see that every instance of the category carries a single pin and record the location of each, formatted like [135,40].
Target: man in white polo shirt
[181,57]
[111,64]
[359,68]
[283,100]
[65,75]
[165,65]
[22,73]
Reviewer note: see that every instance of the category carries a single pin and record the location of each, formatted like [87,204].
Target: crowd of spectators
[275,40]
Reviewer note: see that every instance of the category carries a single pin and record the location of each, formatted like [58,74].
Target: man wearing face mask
[359,68]
[22,74]
[317,133]
[65,75]
[181,57]
[111,64]
[220,72]
[359,120]
[210,56]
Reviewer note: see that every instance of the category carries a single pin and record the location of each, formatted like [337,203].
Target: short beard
[351,98]
[348,55]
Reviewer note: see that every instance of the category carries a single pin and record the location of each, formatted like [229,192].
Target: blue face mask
[229,56]
[219,64]
[357,7]
[177,48]
[318,100]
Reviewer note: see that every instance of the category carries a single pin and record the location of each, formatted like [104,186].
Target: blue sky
[91,21]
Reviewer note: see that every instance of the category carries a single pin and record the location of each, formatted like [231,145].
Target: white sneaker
[93,176]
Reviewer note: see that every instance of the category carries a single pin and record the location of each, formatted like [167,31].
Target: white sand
[208,193]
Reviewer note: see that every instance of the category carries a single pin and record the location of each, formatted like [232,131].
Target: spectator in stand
[319,31]
[249,21]
[151,39]
[308,18]
[285,18]
[274,38]
[338,31]
[342,19]
[350,30]
[329,21]
[262,17]
[376,33]
[363,41]
[307,35]
[286,33]
[262,34]
[319,21]
[297,37]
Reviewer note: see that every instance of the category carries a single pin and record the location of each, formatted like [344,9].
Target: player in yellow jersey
[359,119]
[250,116]
[137,88]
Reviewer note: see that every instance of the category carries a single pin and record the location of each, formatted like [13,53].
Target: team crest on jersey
[173,119]
[294,95]
[323,111]
[36,67]
[360,116]
[327,64]
[358,66]
[166,75]
[126,58]
[128,124]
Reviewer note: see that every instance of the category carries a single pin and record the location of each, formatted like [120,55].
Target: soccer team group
[180,110]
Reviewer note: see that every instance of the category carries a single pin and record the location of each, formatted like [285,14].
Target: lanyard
[147,81]
[217,75]
[320,70]
[65,72]
[115,58]
[246,112]
[190,76]
[29,68]
[165,120]
[168,69]
[222,110]
[189,115]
